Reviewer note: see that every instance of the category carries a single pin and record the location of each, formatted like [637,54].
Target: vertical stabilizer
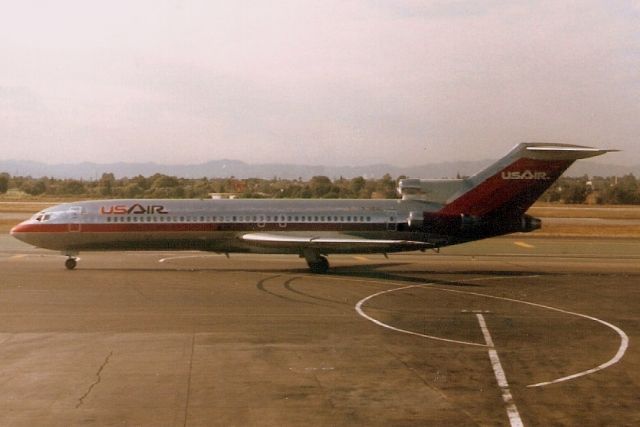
[510,186]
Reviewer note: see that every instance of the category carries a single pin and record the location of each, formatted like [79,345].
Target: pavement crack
[96,382]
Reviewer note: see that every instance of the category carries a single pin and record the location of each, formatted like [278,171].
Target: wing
[338,244]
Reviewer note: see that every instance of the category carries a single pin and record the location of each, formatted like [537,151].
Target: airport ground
[190,339]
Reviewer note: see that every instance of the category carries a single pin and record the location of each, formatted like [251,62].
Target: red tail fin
[512,184]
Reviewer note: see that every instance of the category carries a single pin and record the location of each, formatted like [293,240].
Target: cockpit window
[42,216]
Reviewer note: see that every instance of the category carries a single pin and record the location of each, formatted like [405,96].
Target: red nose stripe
[39,228]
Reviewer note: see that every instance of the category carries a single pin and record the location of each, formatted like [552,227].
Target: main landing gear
[317,263]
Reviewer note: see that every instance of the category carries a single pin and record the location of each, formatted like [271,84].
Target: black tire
[319,267]
[70,263]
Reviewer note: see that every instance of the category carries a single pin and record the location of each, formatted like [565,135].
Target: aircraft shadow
[379,271]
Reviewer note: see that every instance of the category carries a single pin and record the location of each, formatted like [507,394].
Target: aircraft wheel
[70,263]
[320,266]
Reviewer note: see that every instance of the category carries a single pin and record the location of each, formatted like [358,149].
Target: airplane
[429,214]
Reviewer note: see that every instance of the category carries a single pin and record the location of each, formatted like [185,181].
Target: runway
[189,339]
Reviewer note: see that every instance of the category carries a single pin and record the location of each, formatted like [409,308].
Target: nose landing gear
[70,263]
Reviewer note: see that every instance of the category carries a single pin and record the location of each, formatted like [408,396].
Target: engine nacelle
[449,224]
[432,190]
[415,220]
[529,223]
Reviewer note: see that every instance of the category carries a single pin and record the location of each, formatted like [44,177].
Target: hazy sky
[319,82]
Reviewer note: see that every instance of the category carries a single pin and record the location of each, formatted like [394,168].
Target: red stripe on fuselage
[192,227]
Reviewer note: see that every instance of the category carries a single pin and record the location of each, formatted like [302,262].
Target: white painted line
[501,378]
[404,331]
[523,244]
[171,258]
[480,279]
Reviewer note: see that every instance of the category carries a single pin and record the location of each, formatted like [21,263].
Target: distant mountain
[239,169]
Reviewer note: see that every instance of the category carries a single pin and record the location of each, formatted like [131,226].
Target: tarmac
[536,331]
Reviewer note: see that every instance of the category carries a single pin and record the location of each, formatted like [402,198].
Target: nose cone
[46,236]
[19,231]
[15,230]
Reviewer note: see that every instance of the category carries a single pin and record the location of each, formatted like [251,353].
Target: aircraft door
[391,219]
[74,213]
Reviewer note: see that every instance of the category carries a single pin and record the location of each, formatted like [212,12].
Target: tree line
[613,190]
[595,190]
[171,187]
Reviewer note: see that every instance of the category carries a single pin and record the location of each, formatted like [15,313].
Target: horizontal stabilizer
[563,152]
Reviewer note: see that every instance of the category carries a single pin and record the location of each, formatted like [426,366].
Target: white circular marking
[624,339]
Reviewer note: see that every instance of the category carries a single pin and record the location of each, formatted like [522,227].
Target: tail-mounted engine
[448,224]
